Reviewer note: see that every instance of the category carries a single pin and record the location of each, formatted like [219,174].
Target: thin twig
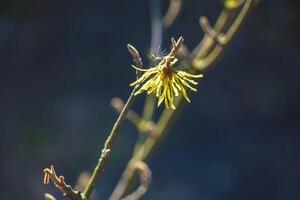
[59,182]
[82,181]
[108,145]
[143,126]
[156,25]
[145,181]
[172,12]
[117,104]
[224,38]
[239,20]
[207,29]
[115,130]
[49,196]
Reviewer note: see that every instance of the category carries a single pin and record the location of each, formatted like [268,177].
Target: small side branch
[240,19]
[207,29]
[220,38]
[117,104]
[142,125]
[59,182]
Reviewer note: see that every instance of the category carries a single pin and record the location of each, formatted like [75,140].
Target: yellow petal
[192,75]
[142,70]
[187,79]
[185,95]
[174,88]
[186,84]
[159,87]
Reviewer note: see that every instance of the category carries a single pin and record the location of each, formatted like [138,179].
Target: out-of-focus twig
[117,104]
[156,40]
[145,181]
[221,37]
[183,52]
[172,12]
[232,4]
[82,181]
[142,125]
[49,196]
[156,25]
[239,20]
[59,182]
[207,43]
[208,30]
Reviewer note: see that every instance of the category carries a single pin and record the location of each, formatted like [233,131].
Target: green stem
[107,146]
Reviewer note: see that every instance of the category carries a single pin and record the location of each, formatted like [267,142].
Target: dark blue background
[62,61]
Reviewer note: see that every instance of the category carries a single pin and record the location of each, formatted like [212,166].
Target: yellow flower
[164,81]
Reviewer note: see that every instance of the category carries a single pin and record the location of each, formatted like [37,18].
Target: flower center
[168,70]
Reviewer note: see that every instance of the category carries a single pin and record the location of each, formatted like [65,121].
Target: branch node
[208,30]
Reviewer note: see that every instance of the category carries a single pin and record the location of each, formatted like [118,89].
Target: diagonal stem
[108,145]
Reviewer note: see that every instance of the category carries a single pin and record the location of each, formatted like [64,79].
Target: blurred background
[62,62]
